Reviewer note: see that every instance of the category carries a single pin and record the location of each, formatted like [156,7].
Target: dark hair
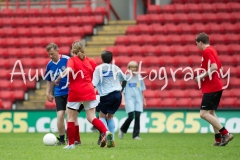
[50,46]
[202,37]
[107,56]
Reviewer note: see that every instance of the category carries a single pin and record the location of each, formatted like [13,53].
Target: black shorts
[110,103]
[210,101]
[61,103]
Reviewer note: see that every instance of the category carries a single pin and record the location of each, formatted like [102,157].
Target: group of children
[84,80]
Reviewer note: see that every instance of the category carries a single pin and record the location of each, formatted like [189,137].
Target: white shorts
[87,104]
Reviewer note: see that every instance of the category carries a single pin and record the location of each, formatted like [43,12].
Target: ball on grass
[49,139]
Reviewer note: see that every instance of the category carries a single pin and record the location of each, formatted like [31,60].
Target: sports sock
[218,137]
[223,131]
[111,126]
[71,132]
[77,133]
[62,137]
[99,125]
[104,122]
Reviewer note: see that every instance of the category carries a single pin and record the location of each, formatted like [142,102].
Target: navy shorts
[210,101]
[110,103]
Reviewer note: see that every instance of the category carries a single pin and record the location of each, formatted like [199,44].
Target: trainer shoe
[103,141]
[216,143]
[110,144]
[59,143]
[109,139]
[137,138]
[99,139]
[120,134]
[77,143]
[72,146]
[225,139]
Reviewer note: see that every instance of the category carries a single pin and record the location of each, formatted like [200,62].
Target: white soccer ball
[49,139]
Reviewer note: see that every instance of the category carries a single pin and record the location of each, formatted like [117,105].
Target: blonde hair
[78,48]
[132,64]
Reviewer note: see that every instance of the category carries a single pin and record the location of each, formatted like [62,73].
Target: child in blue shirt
[134,100]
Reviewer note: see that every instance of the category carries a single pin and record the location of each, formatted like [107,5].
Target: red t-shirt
[81,87]
[215,84]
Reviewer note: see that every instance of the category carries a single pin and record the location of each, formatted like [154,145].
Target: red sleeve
[209,55]
[70,63]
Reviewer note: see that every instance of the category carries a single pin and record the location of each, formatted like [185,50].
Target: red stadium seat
[229,102]
[196,102]
[235,92]
[137,50]
[234,49]
[7,13]
[63,31]
[7,95]
[74,21]
[227,93]
[158,29]
[193,50]
[215,28]
[172,29]
[133,30]
[36,21]
[168,103]
[49,21]
[154,9]
[50,105]
[196,18]
[233,6]
[145,29]
[167,9]
[88,20]
[183,103]
[123,50]
[180,8]
[46,12]
[33,12]
[226,17]
[199,27]
[87,11]
[228,28]
[87,30]
[169,18]
[153,103]
[7,104]
[149,40]
[151,50]
[179,93]
[221,49]
[75,30]
[99,20]
[232,38]
[19,94]
[59,12]
[149,94]
[61,21]
[222,7]
[100,11]
[135,40]
[211,18]
[194,8]
[73,12]
[156,18]
[209,8]
[122,40]
[217,39]
[143,19]
[182,18]
[65,49]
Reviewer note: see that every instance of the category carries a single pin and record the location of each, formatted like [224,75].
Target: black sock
[62,137]
[222,129]
[218,135]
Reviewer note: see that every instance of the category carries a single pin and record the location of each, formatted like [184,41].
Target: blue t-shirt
[53,71]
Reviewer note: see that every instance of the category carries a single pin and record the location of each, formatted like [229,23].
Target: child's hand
[123,103]
[144,103]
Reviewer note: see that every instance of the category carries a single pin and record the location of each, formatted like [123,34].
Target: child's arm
[123,100]
[144,100]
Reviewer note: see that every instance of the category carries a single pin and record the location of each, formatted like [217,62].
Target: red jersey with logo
[81,87]
[210,56]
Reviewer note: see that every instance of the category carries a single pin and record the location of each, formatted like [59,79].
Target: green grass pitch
[29,146]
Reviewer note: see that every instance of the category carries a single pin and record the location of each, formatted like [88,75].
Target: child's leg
[111,124]
[127,122]
[136,128]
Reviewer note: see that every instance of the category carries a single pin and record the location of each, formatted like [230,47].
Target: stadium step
[104,38]
[116,33]
[115,27]
[40,92]
[33,105]
[99,43]
[123,22]
[35,98]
